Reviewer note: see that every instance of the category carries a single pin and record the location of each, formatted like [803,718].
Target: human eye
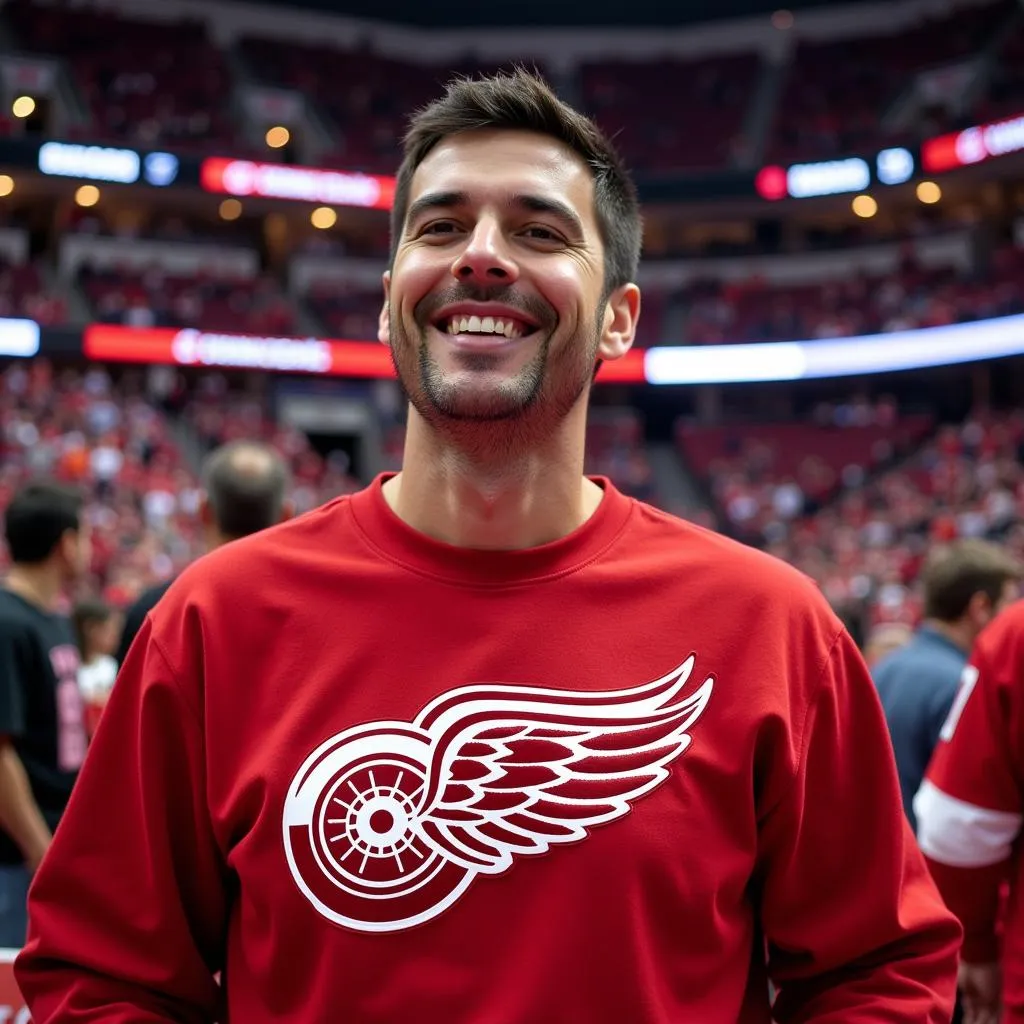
[541,233]
[439,227]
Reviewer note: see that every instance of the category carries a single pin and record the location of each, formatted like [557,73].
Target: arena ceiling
[550,13]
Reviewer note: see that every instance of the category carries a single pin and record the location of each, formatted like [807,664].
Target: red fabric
[282,665]
[983,765]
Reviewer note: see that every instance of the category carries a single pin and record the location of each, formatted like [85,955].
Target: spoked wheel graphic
[365,822]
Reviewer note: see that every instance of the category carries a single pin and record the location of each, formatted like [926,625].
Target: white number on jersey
[963,695]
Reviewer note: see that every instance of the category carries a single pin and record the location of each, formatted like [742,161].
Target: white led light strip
[840,357]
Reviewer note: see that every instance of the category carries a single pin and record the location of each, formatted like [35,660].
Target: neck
[508,500]
[214,538]
[40,585]
[959,633]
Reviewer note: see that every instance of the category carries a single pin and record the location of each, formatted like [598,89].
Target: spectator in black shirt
[42,728]
[244,484]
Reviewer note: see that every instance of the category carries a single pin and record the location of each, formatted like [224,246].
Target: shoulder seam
[175,678]
[804,731]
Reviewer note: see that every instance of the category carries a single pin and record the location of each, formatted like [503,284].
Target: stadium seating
[366,97]
[856,506]
[23,292]
[345,312]
[113,443]
[753,310]
[764,476]
[638,103]
[215,303]
[834,100]
[130,73]
[1004,96]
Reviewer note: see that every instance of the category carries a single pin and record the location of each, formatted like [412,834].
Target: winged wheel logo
[387,824]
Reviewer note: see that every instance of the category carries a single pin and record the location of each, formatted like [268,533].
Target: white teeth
[483,325]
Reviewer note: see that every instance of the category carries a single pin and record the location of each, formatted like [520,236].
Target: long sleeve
[969,806]
[128,910]
[856,930]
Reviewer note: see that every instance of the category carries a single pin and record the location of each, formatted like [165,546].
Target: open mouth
[496,326]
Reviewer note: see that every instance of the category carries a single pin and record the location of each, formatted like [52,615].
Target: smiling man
[488,742]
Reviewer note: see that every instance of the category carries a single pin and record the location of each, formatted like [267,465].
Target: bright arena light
[865,206]
[278,136]
[87,195]
[23,106]
[323,217]
[230,209]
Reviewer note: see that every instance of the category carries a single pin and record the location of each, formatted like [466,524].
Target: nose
[485,258]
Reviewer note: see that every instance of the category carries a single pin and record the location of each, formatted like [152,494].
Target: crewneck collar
[396,540]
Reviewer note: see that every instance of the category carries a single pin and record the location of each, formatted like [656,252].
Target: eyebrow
[533,203]
[434,201]
[542,204]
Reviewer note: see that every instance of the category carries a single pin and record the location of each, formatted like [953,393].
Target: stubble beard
[499,417]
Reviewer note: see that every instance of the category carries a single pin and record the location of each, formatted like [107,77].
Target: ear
[384,322]
[620,318]
[205,512]
[287,510]
[980,606]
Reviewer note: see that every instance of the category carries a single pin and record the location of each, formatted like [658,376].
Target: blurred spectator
[966,584]
[97,626]
[245,488]
[42,728]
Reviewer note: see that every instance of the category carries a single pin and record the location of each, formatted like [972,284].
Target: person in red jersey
[489,742]
[970,809]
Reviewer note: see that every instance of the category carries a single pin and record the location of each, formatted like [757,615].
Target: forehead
[492,166]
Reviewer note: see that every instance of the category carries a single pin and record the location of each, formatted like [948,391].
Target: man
[969,811]
[344,744]
[245,485]
[965,584]
[42,726]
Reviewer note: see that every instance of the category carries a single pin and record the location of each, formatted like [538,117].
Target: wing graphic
[515,770]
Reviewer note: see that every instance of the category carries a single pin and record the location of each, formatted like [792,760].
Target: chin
[472,401]
[478,390]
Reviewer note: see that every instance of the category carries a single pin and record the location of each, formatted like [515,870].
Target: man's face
[493,306]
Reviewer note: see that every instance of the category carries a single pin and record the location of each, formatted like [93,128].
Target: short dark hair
[954,573]
[521,101]
[36,519]
[245,485]
[86,612]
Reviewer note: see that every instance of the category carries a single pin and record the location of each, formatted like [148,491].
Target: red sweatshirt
[374,778]
[971,805]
